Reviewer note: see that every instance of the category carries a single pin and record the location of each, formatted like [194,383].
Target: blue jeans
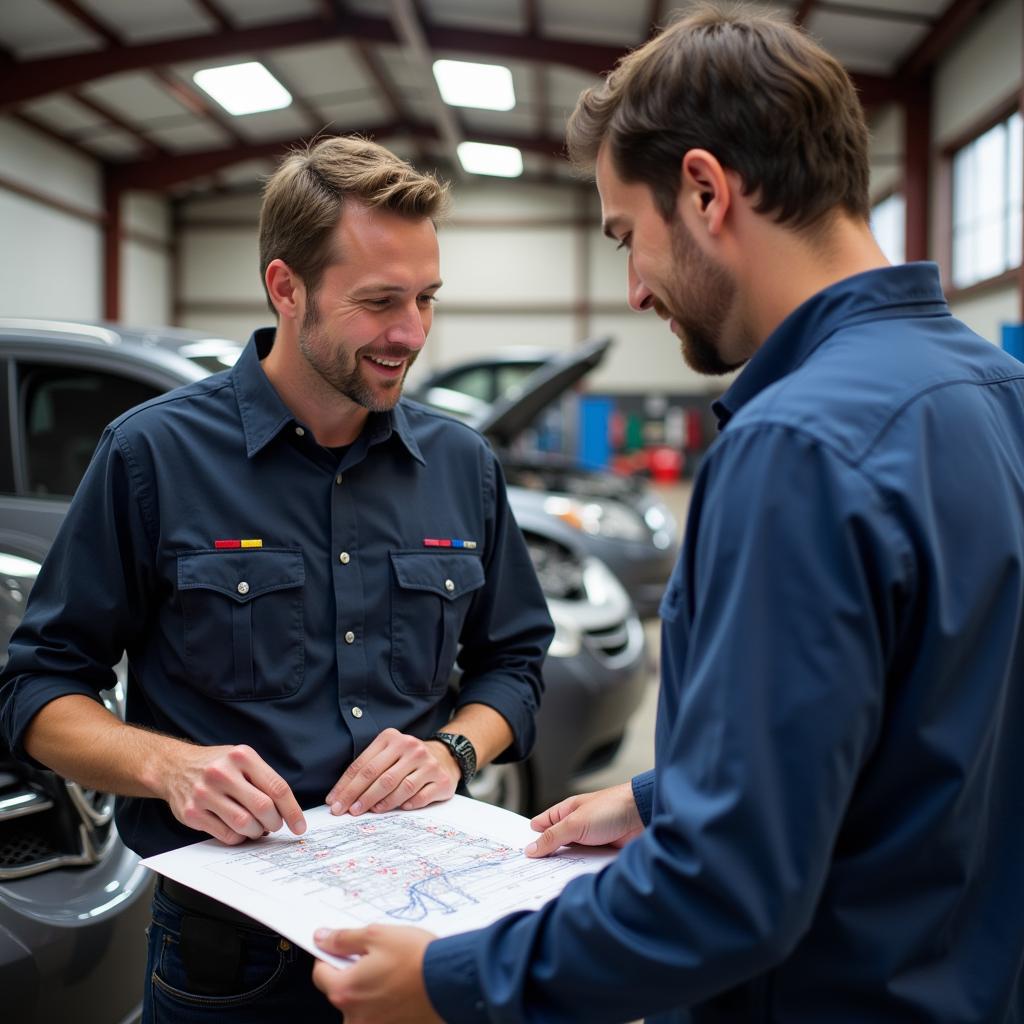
[203,971]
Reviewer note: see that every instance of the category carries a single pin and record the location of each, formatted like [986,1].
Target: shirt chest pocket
[430,595]
[243,618]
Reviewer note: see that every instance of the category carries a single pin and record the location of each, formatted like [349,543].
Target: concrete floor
[637,751]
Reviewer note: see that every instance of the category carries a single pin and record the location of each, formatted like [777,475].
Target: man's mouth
[390,369]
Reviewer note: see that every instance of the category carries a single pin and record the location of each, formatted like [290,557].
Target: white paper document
[448,868]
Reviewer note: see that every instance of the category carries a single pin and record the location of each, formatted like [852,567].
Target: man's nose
[409,329]
[639,295]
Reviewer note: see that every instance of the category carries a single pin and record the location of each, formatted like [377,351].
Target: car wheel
[505,785]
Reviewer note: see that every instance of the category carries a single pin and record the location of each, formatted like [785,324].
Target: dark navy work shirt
[835,821]
[268,594]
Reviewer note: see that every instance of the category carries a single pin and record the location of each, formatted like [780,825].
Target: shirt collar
[264,415]
[870,295]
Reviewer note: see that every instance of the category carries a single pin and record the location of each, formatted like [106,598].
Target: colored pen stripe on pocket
[251,542]
[447,542]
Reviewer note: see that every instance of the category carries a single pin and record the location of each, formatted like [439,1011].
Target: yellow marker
[252,543]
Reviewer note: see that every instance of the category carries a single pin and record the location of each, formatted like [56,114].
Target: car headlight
[568,638]
[609,519]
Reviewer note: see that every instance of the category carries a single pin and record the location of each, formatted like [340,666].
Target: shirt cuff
[452,979]
[23,699]
[643,794]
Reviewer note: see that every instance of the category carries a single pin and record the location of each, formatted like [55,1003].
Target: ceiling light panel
[483,158]
[243,88]
[464,84]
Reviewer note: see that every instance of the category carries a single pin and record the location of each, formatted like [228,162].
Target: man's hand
[385,986]
[608,817]
[395,770]
[229,792]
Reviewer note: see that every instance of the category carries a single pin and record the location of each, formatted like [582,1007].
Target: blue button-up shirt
[835,822]
[332,608]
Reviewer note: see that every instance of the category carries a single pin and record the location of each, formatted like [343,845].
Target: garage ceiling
[114,77]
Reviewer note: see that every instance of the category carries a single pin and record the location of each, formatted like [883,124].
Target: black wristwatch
[462,750]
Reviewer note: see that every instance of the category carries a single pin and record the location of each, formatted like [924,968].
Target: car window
[63,413]
[511,375]
[476,382]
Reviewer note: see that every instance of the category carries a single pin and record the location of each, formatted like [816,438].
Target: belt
[206,906]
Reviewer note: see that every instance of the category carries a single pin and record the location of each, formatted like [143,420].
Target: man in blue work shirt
[834,828]
[291,558]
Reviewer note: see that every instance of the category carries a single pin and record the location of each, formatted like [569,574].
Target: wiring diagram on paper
[403,868]
[448,868]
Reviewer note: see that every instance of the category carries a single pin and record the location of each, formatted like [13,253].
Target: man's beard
[706,292]
[344,373]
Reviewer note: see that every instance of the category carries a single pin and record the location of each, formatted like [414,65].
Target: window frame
[997,115]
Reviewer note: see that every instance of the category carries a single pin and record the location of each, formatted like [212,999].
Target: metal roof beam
[950,26]
[29,79]
[164,172]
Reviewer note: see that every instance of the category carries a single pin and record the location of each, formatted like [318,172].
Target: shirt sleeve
[508,628]
[89,598]
[774,669]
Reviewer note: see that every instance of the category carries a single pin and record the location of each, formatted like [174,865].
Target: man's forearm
[227,791]
[81,740]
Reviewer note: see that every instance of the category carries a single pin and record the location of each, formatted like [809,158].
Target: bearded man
[833,830]
[264,546]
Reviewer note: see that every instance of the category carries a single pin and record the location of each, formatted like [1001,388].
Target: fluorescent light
[463,84]
[483,158]
[243,88]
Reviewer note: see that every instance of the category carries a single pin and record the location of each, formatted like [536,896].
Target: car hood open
[510,415]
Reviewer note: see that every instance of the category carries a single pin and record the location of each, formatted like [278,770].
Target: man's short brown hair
[753,90]
[305,196]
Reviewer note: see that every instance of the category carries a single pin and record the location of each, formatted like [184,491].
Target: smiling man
[291,557]
[834,830]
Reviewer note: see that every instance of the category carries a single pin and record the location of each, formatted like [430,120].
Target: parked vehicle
[619,519]
[73,899]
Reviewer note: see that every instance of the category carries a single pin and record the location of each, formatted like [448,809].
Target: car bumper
[73,943]
[587,703]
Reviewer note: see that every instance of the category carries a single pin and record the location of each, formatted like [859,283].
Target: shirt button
[337,479]
[449,586]
[350,637]
[300,431]
[344,558]
[243,587]
[357,712]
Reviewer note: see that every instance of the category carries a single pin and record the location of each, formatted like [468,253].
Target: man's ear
[705,192]
[286,290]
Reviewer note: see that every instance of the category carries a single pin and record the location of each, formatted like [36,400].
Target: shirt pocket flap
[448,576]
[241,575]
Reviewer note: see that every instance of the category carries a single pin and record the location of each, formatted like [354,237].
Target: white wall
[50,260]
[886,150]
[52,264]
[218,272]
[146,260]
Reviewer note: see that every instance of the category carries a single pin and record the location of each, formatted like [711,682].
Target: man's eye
[378,303]
[428,300]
